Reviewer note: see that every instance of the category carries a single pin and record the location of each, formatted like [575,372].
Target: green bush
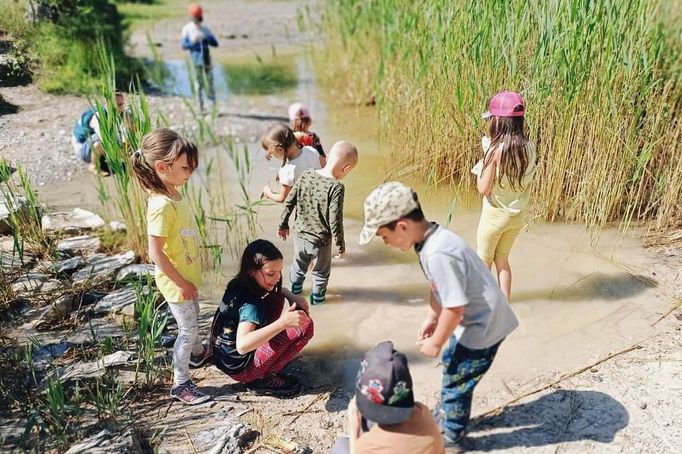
[64,44]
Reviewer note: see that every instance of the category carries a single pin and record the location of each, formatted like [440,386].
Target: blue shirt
[196,38]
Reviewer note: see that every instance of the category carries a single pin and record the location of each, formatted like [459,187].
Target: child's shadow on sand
[559,417]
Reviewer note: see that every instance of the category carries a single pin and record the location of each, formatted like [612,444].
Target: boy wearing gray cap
[467,309]
[384,396]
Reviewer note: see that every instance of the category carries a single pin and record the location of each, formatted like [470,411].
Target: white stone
[82,243]
[30,282]
[137,271]
[78,219]
[117,226]
[18,205]
[116,302]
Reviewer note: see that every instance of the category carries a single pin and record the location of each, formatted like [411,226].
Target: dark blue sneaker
[317,298]
[297,288]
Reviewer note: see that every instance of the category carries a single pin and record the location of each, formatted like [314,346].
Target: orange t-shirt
[417,435]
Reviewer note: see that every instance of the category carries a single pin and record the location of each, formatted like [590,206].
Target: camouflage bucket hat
[386,203]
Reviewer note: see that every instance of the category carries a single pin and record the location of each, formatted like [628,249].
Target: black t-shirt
[237,306]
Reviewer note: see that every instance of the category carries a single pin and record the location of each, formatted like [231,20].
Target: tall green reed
[602,79]
[151,321]
[210,198]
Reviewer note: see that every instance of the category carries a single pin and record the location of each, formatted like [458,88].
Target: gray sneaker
[189,394]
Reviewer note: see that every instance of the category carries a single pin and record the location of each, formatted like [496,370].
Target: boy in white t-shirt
[467,308]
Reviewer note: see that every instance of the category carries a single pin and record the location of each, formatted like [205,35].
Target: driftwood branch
[499,408]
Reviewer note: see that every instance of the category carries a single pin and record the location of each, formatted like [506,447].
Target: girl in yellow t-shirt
[166,161]
[505,175]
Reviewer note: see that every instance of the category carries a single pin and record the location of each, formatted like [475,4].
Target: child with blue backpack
[86,136]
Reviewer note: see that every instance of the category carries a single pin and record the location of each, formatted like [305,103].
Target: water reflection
[174,77]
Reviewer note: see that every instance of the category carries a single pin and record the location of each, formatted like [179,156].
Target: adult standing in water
[196,38]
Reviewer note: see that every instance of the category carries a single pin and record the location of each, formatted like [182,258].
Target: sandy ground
[576,305]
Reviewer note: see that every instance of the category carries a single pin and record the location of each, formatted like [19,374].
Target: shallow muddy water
[574,304]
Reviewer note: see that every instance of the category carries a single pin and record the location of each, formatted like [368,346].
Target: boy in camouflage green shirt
[318,198]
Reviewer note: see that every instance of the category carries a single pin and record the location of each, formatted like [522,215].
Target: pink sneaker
[189,394]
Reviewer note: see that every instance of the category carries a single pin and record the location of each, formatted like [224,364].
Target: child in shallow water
[281,143]
[299,117]
[504,179]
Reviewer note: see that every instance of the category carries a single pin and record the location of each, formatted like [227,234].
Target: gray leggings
[188,341]
[304,253]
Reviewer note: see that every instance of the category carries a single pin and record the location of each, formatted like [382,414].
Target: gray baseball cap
[386,203]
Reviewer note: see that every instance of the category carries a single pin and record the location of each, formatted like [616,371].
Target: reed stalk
[602,80]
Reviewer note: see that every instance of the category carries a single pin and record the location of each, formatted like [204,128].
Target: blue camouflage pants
[464,368]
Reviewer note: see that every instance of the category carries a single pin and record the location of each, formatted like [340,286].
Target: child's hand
[292,317]
[189,291]
[429,349]
[426,330]
[267,191]
[283,234]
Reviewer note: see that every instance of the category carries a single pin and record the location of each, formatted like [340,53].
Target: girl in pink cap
[299,116]
[504,178]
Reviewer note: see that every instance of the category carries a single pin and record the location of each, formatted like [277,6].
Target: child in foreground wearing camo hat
[467,309]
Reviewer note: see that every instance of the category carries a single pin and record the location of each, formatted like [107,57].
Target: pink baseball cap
[298,110]
[506,104]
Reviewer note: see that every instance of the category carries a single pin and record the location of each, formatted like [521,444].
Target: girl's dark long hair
[510,134]
[255,255]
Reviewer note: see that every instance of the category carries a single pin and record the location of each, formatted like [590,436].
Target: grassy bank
[602,79]
[140,14]
[57,42]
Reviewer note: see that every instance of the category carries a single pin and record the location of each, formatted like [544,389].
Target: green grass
[223,225]
[142,15]
[260,78]
[602,80]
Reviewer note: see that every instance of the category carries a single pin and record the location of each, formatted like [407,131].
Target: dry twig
[310,404]
[566,376]
[191,443]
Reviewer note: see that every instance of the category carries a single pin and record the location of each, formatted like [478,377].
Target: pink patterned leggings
[272,356]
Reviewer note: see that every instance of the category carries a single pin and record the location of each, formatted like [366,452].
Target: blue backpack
[82,130]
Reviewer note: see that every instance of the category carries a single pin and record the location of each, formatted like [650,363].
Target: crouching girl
[254,333]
